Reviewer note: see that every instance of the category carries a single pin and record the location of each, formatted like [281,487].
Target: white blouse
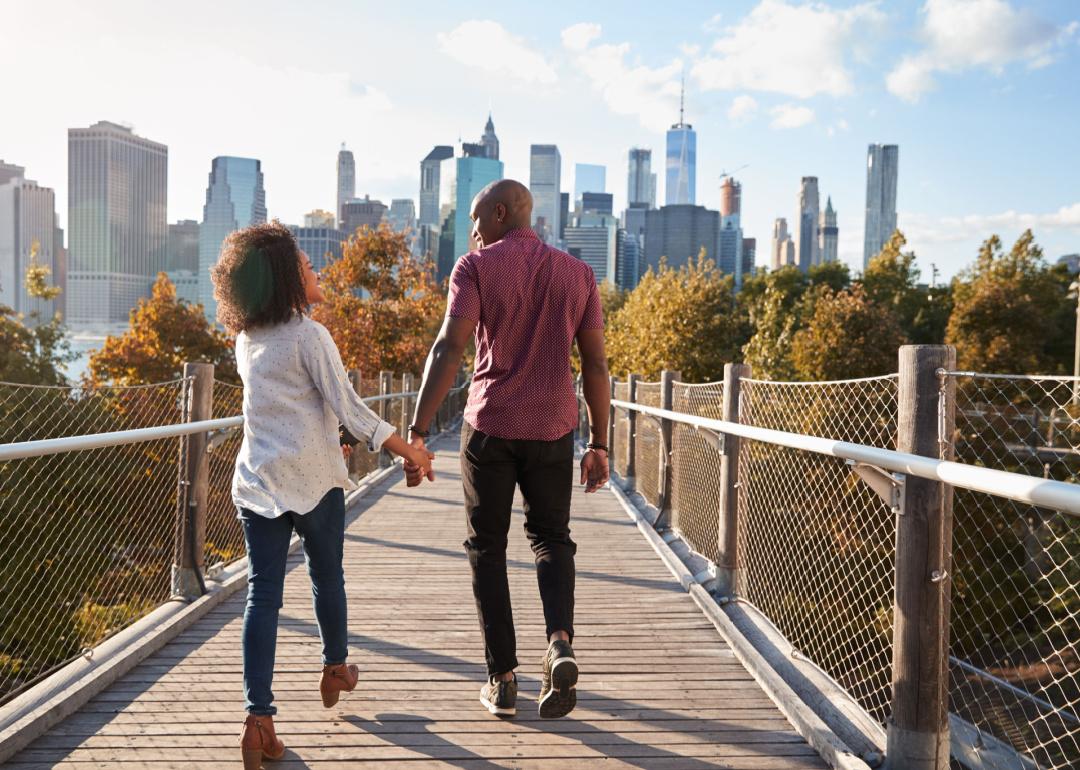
[296,393]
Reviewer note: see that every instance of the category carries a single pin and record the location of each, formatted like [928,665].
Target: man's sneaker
[500,698]
[558,694]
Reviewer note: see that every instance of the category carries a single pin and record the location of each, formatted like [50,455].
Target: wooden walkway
[659,688]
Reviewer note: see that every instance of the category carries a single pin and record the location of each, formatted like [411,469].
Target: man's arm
[597,390]
[442,366]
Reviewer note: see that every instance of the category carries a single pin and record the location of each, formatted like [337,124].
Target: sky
[982,96]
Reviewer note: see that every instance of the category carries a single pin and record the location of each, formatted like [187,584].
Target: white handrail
[1057,495]
[51,446]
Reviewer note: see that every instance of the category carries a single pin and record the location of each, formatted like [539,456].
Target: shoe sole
[561,699]
[499,711]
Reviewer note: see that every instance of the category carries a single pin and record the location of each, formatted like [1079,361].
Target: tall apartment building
[680,184]
[28,234]
[882,171]
[117,228]
[806,226]
[545,180]
[830,233]
[346,180]
[641,182]
[235,198]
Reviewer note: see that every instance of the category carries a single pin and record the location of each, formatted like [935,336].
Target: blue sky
[983,97]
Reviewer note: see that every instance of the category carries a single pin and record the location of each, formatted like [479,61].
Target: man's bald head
[500,207]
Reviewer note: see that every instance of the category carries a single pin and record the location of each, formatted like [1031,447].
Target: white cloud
[974,34]
[628,88]
[742,109]
[578,37]
[797,50]
[488,46]
[837,127]
[922,228]
[791,116]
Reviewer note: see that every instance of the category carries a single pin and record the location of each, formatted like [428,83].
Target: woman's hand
[418,465]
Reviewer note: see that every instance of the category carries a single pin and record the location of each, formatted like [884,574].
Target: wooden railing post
[663,492]
[631,430]
[190,555]
[406,403]
[727,561]
[386,387]
[918,727]
[357,381]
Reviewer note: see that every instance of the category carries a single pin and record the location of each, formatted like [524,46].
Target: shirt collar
[521,232]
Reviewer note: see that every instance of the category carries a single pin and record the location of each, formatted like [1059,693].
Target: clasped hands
[415,467]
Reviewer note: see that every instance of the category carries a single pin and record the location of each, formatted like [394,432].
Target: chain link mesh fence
[696,468]
[622,430]
[224,535]
[86,538]
[1015,623]
[647,444]
[815,543]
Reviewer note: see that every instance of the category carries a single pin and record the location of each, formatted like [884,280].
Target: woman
[290,473]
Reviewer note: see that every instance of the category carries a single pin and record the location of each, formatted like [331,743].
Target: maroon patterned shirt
[529,301]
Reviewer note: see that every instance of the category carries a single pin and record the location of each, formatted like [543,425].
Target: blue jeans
[322,531]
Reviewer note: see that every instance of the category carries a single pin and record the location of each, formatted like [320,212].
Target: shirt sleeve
[593,318]
[463,299]
[323,362]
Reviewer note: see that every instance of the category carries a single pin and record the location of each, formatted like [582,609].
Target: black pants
[491,470]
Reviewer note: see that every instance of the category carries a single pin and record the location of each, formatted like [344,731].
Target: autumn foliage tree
[163,334]
[383,306]
[846,335]
[682,319]
[33,350]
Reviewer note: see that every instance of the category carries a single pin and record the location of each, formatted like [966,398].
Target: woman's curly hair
[258,279]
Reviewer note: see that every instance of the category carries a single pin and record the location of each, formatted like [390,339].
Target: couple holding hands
[526,304]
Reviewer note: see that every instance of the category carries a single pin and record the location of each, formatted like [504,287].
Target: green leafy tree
[682,319]
[1007,311]
[33,351]
[891,279]
[846,335]
[164,333]
[771,307]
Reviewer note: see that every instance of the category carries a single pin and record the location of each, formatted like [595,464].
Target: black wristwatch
[418,432]
[597,446]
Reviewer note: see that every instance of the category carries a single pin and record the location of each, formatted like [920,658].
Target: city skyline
[884,77]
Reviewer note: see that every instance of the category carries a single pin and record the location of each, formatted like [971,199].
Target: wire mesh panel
[816,545]
[622,429]
[1015,624]
[647,444]
[86,538]
[224,535]
[696,468]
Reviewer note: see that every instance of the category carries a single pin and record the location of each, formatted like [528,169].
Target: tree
[34,353]
[164,333]
[771,309]
[1007,311]
[847,335]
[383,307]
[891,279]
[682,319]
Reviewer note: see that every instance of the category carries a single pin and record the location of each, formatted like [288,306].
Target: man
[526,303]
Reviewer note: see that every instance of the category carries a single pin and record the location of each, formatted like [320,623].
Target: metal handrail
[50,446]
[1056,495]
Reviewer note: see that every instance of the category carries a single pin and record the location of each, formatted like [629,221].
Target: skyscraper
[346,179]
[588,177]
[28,227]
[729,248]
[749,257]
[628,267]
[597,203]
[489,141]
[564,212]
[806,226]
[680,184]
[362,212]
[235,198]
[882,169]
[680,233]
[730,197]
[829,233]
[432,169]
[641,182]
[545,180]
[474,173]
[783,249]
[320,218]
[117,183]
[183,246]
[593,238]
[320,242]
[402,218]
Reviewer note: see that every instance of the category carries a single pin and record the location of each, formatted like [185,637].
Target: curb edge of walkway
[42,707]
[806,723]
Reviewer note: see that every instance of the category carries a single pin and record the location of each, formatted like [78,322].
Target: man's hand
[419,466]
[594,469]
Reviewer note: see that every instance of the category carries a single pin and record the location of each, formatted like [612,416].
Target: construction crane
[725,172]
